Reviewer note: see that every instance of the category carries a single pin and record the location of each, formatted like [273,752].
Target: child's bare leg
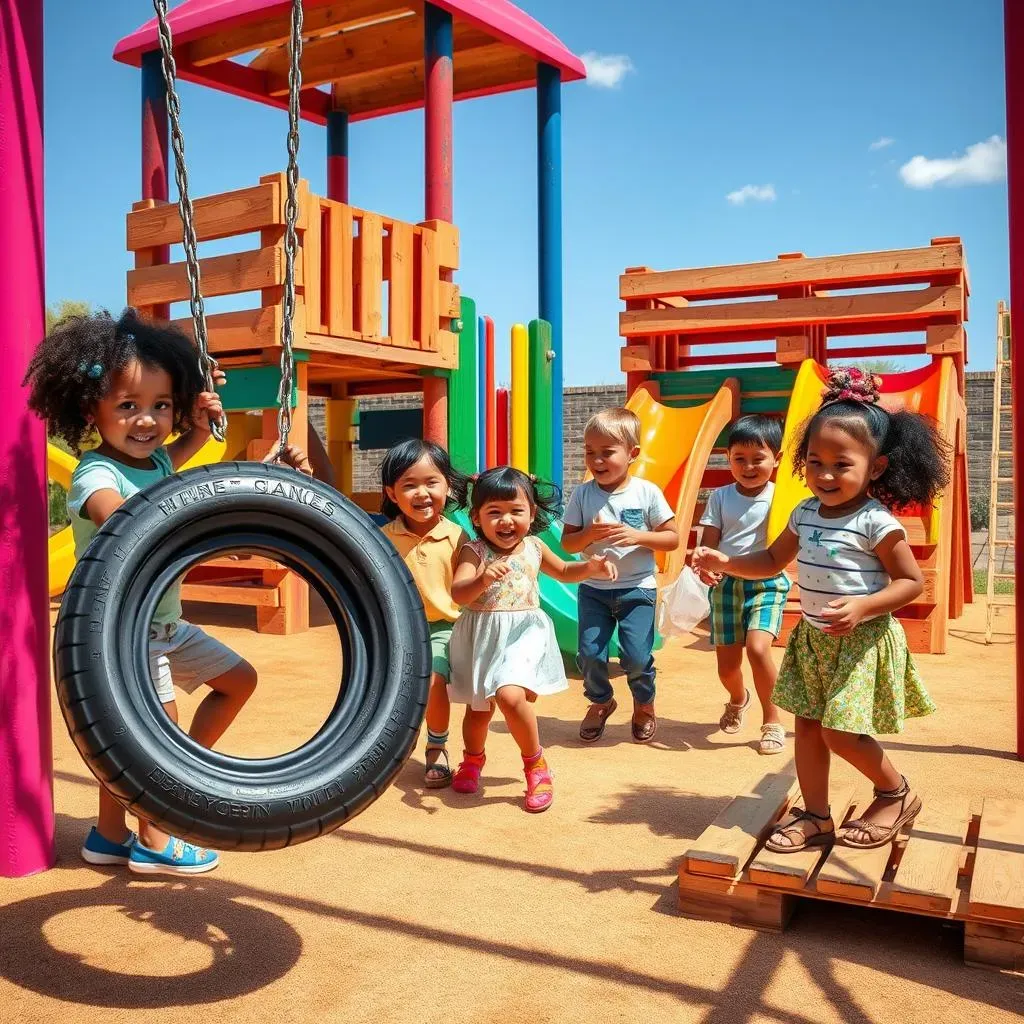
[762,667]
[730,671]
[520,717]
[812,768]
[219,708]
[149,834]
[110,821]
[474,729]
[437,717]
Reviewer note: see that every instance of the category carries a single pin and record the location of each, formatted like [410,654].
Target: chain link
[170,70]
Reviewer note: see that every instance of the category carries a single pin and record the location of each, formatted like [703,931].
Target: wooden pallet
[953,865]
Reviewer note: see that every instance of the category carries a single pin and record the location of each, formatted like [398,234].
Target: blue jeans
[599,612]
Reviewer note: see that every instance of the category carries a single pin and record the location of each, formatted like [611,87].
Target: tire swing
[101,663]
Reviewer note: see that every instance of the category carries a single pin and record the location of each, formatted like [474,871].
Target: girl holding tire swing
[134,382]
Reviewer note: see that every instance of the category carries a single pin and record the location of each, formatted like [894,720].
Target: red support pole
[337,156]
[491,450]
[501,433]
[1013,13]
[26,757]
[439,84]
[155,141]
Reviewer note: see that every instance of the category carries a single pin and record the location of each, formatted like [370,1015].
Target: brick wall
[581,403]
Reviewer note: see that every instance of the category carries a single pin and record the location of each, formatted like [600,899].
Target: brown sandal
[443,772]
[788,830]
[592,726]
[882,835]
[645,724]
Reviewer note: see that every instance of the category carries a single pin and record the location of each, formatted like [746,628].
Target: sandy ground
[433,907]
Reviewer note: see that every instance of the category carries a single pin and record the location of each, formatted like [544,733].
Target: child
[420,485]
[503,648]
[746,614]
[134,382]
[847,674]
[626,519]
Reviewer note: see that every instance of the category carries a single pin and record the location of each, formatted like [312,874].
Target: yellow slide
[931,390]
[59,467]
[675,445]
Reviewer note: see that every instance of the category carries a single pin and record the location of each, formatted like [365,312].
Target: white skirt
[489,650]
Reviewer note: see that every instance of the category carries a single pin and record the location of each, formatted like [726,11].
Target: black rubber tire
[109,701]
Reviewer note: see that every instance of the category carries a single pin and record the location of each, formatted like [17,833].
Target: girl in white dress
[503,649]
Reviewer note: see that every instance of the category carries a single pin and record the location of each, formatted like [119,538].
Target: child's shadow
[671,734]
[416,795]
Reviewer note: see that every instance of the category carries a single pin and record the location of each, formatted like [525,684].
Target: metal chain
[170,70]
[291,239]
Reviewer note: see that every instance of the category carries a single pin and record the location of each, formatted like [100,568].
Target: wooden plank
[927,873]
[449,299]
[636,357]
[851,873]
[770,318]
[275,31]
[400,291]
[792,870]
[854,270]
[257,595]
[745,906]
[726,845]
[218,216]
[446,244]
[240,331]
[341,290]
[241,561]
[370,252]
[428,326]
[248,271]
[376,350]
[997,888]
[996,947]
[945,340]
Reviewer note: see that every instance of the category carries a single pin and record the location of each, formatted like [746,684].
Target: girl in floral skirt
[847,674]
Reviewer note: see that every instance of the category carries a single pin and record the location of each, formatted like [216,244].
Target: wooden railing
[361,276]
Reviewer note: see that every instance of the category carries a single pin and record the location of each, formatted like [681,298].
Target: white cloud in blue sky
[606,70]
[754,193]
[982,164]
[881,143]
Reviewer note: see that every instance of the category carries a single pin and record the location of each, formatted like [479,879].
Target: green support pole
[462,399]
[542,453]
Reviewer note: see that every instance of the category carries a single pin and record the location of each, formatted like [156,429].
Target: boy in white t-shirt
[625,519]
[747,614]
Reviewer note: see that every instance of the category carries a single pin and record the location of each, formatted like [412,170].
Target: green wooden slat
[462,385]
[702,382]
[540,443]
[256,387]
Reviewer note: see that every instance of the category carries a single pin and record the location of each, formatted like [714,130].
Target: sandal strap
[875,831]
[894,794]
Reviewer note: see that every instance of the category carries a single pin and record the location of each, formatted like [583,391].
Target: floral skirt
[864,682]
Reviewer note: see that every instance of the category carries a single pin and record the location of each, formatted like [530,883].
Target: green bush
[58,506]
[979,511]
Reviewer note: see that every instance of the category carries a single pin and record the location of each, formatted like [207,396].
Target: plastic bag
[683,605]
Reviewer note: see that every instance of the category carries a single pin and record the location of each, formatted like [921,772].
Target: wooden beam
[920,307]
[442,359]
[349,54]
[856,270]
[275,31]
[997,887]
[245,330]
[230,213]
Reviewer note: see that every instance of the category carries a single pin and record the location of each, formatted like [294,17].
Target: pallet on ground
[953,865]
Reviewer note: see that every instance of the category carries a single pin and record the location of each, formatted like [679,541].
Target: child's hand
[293,456]
[709,579]
[600,565]
[496,571]
[709,560]
[616,534]
[843,615]
[207,410]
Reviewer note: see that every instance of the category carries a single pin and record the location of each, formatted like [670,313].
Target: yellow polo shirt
[431,560]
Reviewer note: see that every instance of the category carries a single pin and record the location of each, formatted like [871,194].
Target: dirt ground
[432,907]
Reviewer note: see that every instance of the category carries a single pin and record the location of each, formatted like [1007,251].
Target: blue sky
[699,101]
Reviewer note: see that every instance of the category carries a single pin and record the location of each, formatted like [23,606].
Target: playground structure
[792,301]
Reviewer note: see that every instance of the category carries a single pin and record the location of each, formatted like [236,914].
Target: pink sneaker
[540,792]
[467,778]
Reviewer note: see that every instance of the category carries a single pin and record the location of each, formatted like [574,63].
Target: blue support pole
[337,155]
[481,395]
[549,237]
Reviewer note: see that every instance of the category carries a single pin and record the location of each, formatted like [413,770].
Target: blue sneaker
[97,850]
[176,858]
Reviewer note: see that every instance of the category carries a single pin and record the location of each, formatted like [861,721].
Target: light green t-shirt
[101,473]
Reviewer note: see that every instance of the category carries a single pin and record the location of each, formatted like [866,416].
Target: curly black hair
[74,365]
[401,457]
[918,456]
[504,483]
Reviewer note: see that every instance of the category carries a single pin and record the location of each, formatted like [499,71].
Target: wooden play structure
[679,323]
[377,311]
[957,864]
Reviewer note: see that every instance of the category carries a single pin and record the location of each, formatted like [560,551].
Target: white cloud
[606,70]
[982,164]
[757,193]
[881,143]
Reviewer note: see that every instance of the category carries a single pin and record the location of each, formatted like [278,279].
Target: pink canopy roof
[198,19]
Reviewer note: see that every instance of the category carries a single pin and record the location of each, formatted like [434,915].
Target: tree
[65,308]
[881,367]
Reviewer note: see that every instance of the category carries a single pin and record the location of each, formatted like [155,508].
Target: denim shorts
[182,655]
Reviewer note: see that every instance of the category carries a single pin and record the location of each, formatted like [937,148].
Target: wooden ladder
[1001,480]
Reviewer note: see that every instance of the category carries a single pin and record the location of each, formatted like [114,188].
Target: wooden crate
[953,865]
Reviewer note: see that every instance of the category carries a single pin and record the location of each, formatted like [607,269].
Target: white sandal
[773,738]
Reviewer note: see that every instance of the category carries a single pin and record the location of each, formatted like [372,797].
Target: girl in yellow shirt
[419,485]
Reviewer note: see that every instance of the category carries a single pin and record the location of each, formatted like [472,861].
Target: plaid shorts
[738,606]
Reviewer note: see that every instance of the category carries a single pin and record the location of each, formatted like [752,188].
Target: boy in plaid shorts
[747,614]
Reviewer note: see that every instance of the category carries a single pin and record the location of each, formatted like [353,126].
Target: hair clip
[93,372]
